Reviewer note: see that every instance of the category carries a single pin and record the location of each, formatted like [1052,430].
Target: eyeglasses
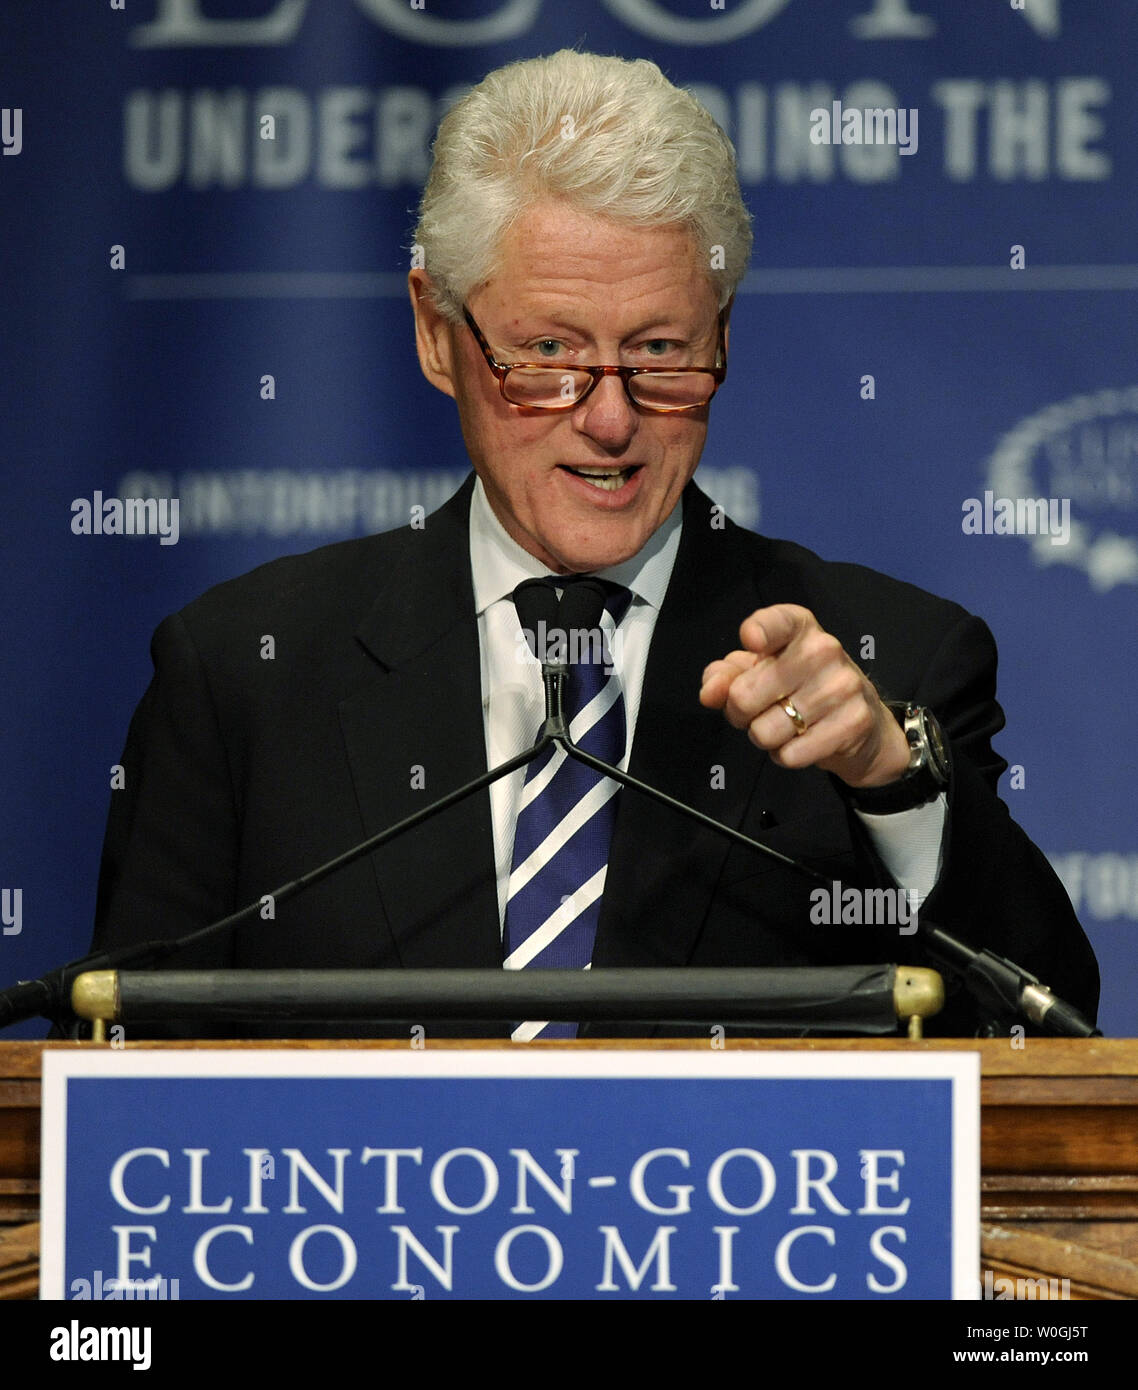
[666,390]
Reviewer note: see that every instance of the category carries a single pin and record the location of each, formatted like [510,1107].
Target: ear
[432,334]
[727,326]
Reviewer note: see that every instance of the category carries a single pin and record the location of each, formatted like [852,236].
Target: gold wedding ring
[800,725]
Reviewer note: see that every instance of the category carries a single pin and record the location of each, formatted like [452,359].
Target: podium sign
[555,1174]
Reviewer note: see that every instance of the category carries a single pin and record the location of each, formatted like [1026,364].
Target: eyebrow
[652,329]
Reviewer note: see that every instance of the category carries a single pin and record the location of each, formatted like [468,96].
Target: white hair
[610,136]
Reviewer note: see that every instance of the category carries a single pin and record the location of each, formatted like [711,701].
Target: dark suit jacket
[243,772]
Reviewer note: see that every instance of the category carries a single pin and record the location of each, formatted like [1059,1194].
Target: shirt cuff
[910,843]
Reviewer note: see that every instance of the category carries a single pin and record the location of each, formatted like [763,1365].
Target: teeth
[607,479]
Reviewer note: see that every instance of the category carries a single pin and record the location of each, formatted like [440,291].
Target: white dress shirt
[513,702]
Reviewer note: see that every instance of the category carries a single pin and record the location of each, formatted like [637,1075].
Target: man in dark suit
[390,684]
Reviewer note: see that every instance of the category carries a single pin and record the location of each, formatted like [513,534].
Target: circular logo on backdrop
[1078,457]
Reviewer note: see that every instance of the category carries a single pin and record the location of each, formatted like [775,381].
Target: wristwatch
[928,771]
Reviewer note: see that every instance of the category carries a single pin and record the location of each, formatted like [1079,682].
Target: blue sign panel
[486,1175]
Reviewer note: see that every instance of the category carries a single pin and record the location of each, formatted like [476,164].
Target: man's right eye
[548,347]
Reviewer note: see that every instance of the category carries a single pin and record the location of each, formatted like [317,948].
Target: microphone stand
[1001,988]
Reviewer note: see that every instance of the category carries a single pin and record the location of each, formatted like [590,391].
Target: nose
[608,415]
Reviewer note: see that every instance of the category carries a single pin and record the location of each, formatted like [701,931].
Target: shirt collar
[499,564]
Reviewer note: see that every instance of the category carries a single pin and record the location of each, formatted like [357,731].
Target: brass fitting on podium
[95,996]
[918,993]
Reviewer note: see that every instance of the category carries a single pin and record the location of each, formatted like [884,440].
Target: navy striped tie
[565,824]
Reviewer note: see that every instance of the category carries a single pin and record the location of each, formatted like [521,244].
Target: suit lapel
[414,732]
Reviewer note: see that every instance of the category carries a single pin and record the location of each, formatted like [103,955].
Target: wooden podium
[1059,1153]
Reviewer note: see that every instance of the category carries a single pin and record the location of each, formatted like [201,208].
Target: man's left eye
[659,347]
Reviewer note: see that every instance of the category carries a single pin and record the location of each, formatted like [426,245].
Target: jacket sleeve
[995,888]
[172,837]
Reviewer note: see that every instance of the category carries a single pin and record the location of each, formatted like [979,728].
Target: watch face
[938,750]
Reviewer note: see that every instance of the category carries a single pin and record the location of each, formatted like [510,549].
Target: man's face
[579,288]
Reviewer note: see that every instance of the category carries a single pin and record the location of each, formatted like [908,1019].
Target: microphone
[582,604]
[536,602]
[538,606]
[1006,989]
[547,623]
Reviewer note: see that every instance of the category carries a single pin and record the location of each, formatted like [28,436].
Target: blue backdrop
[160,258]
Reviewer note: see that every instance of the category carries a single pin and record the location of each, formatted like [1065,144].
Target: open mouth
[607,479]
